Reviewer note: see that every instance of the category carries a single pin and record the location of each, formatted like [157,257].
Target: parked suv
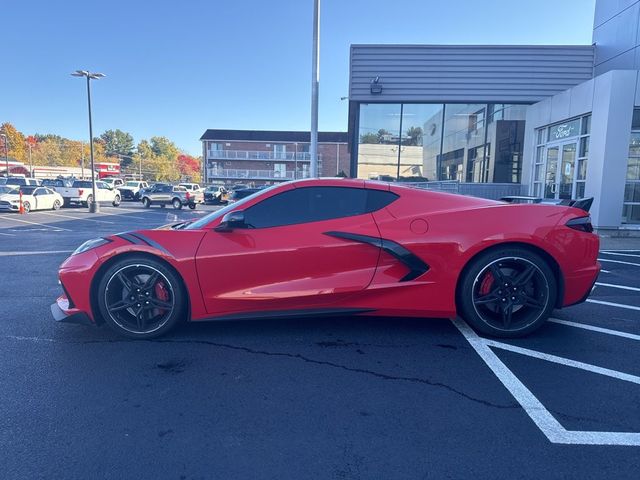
[131,189]
[21,181]
[164,195]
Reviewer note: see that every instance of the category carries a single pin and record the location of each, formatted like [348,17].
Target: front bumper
[63,313]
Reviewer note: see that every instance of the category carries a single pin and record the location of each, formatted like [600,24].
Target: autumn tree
[17,143]
[189,167]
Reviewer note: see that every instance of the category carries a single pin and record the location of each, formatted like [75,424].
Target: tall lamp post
[93,206]
[6,151]
[315,82]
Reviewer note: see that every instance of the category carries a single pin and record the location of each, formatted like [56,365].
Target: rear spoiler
[581,203]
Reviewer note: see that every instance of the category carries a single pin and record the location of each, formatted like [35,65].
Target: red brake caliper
[485,286]
[161,294]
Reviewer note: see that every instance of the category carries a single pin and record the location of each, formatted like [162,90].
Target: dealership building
[562,121]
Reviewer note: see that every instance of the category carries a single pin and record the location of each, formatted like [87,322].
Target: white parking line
[74,218]
[612,304]
[621,254]
[593,328]
[618,261]
[35,223]
[602,270]
[41,252]
[564,361]
[621,287]
[8,234]
[543,419]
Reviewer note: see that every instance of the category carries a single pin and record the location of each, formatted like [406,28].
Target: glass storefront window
[379,136]
[418,142]
[631,208]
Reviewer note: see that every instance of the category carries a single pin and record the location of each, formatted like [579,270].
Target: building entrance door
[560,171]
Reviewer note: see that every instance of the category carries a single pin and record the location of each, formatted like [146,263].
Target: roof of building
[273,136]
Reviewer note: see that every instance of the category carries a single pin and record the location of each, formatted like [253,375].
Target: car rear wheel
[89,201]
[56,204]
[146,202]
[141,298]
[116,201]
[192,206]
[177,204]
[507,292]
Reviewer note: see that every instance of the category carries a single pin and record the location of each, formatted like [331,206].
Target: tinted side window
[377,199]
[310,204]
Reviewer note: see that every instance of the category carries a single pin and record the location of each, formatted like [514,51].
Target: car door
[42,200]
[287,258]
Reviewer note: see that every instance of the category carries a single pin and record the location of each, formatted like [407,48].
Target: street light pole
[6,150]
[315,83]
[93,206]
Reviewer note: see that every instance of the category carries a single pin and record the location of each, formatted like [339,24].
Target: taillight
[188,196]
[581,223]
[80,191]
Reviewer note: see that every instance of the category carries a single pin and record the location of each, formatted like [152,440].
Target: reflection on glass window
[379,136]
[631,208]
[464,142]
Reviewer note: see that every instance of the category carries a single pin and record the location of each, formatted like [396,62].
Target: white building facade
[561,121]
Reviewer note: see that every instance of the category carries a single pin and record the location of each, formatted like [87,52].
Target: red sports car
[338,246]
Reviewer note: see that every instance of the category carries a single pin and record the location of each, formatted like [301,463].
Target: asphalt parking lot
[329,398]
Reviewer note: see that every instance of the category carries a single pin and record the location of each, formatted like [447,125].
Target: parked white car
[33,198]
[81,193]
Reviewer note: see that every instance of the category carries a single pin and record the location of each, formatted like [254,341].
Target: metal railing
[254,174]
[259,155]
[492,191]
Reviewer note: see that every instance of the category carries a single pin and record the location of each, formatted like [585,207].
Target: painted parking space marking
[36,223]
[74,218]
[39,252]
[538,413]
[613,304]
[8,234]
[618,261]
[621,287]
[604,271]
[593,328]
[608,252]
[627,377]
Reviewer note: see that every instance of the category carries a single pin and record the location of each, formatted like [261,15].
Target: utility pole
[315,85]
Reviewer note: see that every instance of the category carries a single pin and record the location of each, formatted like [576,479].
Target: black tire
[177,204]
[136,197]
[516,305]
[89,201]
[192,206]
[146,202]
[116,201]
[140,297]
[26,206]
[56,205]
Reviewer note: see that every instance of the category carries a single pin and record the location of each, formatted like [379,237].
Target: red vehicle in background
[338,246]
[107,169]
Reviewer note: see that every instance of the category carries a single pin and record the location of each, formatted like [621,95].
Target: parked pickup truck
[81,193]
[131,189]
[196,192]
[163,195]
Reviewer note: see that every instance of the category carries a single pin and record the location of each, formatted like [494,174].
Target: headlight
[89,244]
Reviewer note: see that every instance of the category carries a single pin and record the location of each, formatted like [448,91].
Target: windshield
[27,190]
[6,189]
[223,211]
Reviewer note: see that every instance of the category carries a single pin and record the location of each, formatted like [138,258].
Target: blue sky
[178,68]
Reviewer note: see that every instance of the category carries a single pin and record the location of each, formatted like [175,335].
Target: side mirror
[231,220]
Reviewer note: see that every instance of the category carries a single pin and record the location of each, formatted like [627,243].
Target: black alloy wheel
[508,293]
[141,298]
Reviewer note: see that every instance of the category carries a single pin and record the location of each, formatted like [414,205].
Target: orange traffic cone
[21,207]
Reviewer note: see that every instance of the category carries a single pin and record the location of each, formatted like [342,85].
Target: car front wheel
[507,292]
[26,206]
[116,201]
[141,298]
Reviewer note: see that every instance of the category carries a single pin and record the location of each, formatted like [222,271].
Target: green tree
[117,142]
[414,135]
[369,138]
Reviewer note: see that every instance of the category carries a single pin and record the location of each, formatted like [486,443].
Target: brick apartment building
[265,157]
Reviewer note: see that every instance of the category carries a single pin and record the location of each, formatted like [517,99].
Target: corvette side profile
[338,246]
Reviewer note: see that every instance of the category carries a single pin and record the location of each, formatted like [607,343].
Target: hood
[11,196]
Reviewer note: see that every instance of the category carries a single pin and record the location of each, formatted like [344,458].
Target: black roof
[273,136]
